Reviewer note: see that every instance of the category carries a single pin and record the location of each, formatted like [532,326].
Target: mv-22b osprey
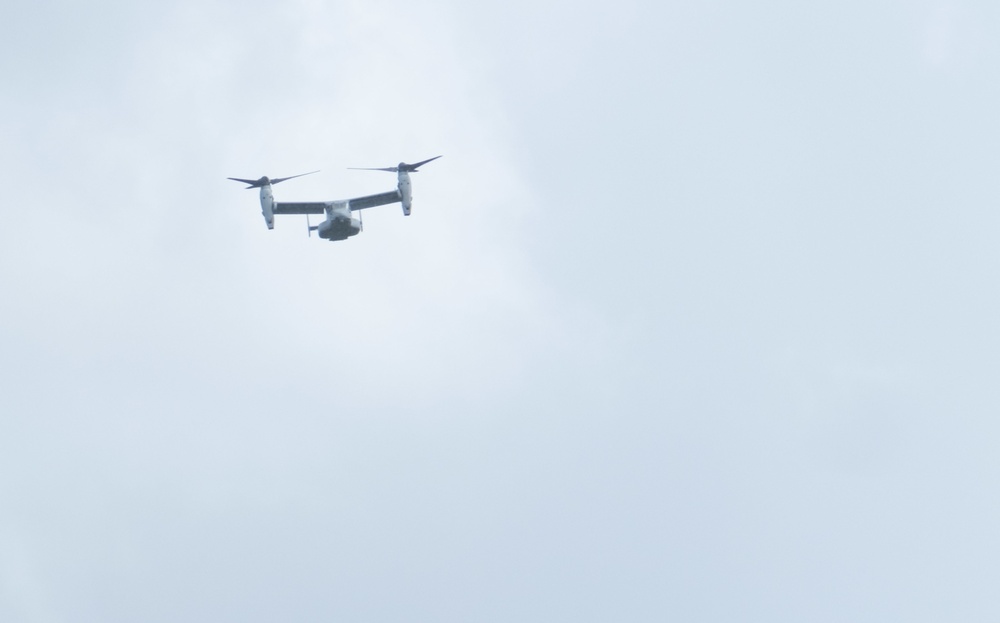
[339,224]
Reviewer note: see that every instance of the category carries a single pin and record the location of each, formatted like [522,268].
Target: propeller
[402,166]
[264,181]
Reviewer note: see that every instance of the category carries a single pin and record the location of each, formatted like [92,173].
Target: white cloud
[549,390]
[941,34]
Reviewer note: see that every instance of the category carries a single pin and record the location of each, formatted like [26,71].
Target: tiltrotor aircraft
[339,223]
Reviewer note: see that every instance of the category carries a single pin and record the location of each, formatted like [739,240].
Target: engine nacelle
[267,205]
[405,192]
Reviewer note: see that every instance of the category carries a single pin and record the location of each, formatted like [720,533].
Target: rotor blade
[413,167]
[282,179]
[237,179]
[402,166]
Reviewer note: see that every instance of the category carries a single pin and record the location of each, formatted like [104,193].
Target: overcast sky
[695,320]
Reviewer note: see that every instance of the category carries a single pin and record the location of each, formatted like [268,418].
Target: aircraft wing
[360,203]
[319,207]
[300,207]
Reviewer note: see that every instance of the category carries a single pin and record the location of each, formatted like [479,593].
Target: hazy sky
[695,320]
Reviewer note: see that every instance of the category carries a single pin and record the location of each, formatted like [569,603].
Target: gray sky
[695,320]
